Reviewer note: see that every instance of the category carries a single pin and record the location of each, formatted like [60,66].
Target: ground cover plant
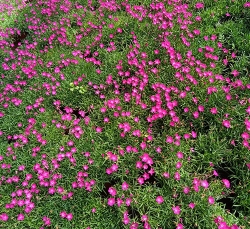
[124,114]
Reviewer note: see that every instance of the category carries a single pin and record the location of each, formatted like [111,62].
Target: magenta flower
[226,123]
[223,225]
[179,155]
[226,183]
[4,217]
[247,5]
[166,175]
[128,201]
[177,176]
[98,129]
[178,165]
[20,217]
[196,114]
[215,173]
[180,226]
[63,214]
[235,73]
[144,218]
[210,200]
[159,199]
[125,186]
[112,191]
[213,110]
[186,190]
[111,201]
[204,184]
[119,202]
[176,210]
[69,216]
[199,5]
[46,221]
[191,205]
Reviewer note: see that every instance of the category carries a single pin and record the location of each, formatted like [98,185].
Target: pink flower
[178,165]
[179,155]
[69,216]
[112,191]
[98,129]
[4,217]
[213,110]
[210,200]
[144,218]
[204,184]
[46,221]
[128,201]
[247,5]
[226,183]
[159,199]
[177,176]
[196,114]
[20,217]
[215,173]
[235,73]
[199,5]
[198,18]
[223,225]
[180,226]
[63,214]
[226,123]
[119,202]
[191,205]
[176,210]
[125,186]
[111,201]
[186,190]
[166,175]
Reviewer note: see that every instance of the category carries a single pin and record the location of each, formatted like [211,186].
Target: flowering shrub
[124,114]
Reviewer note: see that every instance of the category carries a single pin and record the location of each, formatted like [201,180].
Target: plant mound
[124,114]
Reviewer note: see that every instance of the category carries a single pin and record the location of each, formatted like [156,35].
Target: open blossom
[98,129]
[247,5]
[4,217]
[111,201]
[112,191]
[213,110]
[199,5]
[63,214]
[204,184]
[125,186]
[69,216]
[177,176]
[144,218]
[159,199]
[176,210]
[210,200]
[191,205]
[186,190]
[226,123]
[235,73]
[20,217]
[226,183]
[180,226]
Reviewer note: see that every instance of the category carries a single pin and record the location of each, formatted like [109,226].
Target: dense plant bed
[124,114]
